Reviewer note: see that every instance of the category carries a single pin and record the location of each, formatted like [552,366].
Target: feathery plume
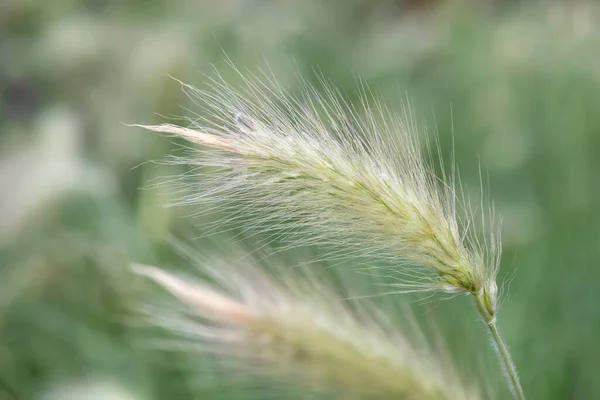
[322,171]
[296,330]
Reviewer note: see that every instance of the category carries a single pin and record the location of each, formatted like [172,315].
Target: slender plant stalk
[512,377]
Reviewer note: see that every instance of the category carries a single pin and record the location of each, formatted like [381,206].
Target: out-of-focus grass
[518,85]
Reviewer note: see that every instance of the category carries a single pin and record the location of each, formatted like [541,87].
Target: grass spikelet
[295,329]
[321,171]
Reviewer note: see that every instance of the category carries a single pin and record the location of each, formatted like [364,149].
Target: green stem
[507,364]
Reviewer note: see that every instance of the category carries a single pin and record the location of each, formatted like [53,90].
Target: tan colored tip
[202,138]
[197,296]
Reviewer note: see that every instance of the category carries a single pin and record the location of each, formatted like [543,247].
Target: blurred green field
[518,83]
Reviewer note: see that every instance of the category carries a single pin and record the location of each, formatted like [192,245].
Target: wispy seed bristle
[315,169]
[306,337]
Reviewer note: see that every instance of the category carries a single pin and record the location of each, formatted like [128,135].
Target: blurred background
[517,81]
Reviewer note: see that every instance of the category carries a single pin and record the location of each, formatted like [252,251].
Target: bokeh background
[518,83]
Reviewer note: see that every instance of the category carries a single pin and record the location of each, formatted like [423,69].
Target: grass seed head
[296,330]
[324,171]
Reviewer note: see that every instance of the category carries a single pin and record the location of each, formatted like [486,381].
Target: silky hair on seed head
[293,329]
[313,168]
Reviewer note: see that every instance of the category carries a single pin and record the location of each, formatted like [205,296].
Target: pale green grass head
[295,331]
[315,169]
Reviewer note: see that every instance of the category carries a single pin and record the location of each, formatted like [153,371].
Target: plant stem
[507,364]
